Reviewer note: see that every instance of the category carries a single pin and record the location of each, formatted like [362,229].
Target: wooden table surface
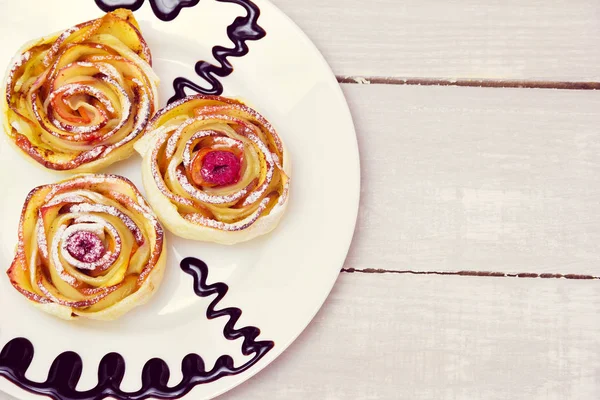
[474,269]
[475,266]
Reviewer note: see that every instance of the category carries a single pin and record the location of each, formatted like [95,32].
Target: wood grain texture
[383,337]
[494,39]
[484,179]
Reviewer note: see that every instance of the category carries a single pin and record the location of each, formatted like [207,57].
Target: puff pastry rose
[79,99]
[214,170]
[88,246]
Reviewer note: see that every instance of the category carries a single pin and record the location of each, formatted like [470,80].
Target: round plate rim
[12,389]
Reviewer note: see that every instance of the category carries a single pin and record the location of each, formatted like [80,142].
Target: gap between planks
[437,179]
[492,83]
[471,273]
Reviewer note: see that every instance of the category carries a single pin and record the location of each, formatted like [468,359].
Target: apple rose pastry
[79,99]
[214,170]
[88,246]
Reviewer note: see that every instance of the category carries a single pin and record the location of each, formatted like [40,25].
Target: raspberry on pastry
[214,170]
[89,246]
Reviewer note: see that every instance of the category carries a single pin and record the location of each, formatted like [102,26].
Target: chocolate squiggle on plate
[65,371]
[163,9]
[241,30]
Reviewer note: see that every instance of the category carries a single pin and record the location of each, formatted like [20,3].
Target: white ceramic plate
[278,281]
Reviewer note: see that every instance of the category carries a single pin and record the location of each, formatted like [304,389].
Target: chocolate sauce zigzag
[162,10]
[65,371]
[242,29]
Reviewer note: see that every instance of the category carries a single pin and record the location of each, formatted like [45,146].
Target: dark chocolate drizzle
[65,372]
[167,10]
[242,29]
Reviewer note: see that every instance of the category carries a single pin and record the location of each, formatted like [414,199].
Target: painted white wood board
[482,179]
[492,39]
[384,337]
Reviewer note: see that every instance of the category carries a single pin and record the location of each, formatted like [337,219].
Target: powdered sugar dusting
[85,246]
[143,115]
[87,135]
[101,208]
[187,152]
[247,123]
[17,64]
[56,259]
[58,42]
[82,239]
[204,197]
[40,236]
[260,191]
[82,224]
[78,88]
[238,226]
[160,184]
[172,142]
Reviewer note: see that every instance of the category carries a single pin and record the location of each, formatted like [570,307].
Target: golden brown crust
[177,142]
[127,268]
[79,99]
